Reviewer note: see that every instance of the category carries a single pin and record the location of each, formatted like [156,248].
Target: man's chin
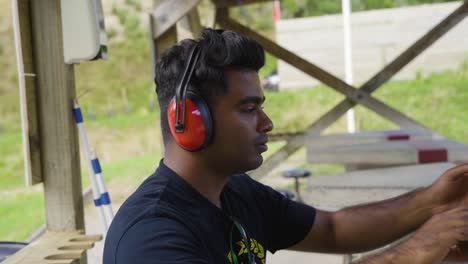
[255,164]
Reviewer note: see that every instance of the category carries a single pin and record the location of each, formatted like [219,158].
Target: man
[200,207]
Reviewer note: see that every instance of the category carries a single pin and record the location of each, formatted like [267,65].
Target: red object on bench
[428,153]
[396,135]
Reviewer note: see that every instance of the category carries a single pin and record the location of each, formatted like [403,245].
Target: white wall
[378,36]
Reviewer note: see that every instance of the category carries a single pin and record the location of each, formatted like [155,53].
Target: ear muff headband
[188,115]
[182,88]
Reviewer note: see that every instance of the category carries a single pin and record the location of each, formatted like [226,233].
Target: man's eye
[252,109]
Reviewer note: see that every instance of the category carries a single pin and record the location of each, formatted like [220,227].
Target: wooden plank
[168,12]
[365,137]
[328,118]
[58,132]
[350,92]
[285,136]
[425,41]
[390,152]
[194,21]
[235,3]
[166,40]
[28,96]
[298,142]
[55,247]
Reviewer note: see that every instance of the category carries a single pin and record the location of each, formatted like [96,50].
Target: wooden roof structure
[354,95]
[53,138]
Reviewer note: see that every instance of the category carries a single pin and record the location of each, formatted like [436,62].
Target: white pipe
[346,10]
[104,195]
[84,141]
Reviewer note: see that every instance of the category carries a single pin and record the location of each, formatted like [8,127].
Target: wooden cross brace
[353,95]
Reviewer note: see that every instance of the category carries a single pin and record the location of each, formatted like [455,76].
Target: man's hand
[458,253]
[433,242]
[450,190]
[440,235]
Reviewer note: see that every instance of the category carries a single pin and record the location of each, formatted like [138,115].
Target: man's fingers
[461,169]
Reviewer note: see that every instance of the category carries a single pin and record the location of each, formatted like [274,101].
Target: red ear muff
[188,115]
[198,126]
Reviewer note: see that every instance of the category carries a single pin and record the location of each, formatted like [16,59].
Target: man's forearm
[411,251]
[366,227]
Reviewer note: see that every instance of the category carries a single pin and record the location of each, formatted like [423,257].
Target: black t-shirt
[167,221]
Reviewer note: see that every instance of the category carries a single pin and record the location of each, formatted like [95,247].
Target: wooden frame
[353,95]
[28,93]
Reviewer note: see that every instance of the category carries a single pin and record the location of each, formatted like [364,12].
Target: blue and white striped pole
[84,141]
[104,198]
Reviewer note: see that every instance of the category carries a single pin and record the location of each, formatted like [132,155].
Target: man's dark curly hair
[220,50]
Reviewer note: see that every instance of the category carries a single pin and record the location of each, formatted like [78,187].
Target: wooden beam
[194,21]
[28,94]
[235,3]
[285,136]
[414,50]
[221,13]
[159,43]
[337,84]
[298,142]
[166,40]
[58,133]
[417,48]
[342,107]
[168,12]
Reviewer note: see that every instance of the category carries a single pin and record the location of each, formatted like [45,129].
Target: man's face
[240,125]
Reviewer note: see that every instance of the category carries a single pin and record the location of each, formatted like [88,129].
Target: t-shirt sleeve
[287,222]
[159,240]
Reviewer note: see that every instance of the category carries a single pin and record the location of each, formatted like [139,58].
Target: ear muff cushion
[198,128]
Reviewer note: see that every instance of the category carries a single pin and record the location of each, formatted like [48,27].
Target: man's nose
[265,123]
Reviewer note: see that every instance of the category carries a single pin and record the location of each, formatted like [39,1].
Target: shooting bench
[55,248]
[388,153]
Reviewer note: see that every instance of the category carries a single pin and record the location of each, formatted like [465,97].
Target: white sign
[84,34]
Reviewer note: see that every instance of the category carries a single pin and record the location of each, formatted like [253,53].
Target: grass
[22,209]
[22,213]
[11,163]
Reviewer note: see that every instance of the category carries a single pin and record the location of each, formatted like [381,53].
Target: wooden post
[159,44]
[58,133]
[26,75]
[235,3]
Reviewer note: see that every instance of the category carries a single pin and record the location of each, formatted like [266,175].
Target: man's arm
[434,242]
[441,207]
[365,227]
